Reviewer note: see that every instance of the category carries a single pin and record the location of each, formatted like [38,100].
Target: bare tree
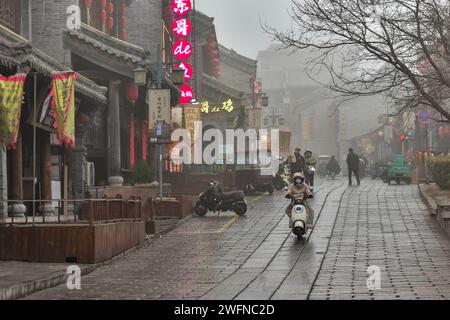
[399,48]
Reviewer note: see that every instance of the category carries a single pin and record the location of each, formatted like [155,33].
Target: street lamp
[140,76]
[178,76]
[264,100]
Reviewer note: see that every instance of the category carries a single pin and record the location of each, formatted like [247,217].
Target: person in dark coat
[300,159]
[333,166]
[353,166]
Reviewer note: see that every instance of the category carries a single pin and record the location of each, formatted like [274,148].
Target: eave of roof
[215,84]
[225,52]
[16,50]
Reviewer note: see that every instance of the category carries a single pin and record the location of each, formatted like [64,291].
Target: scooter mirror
[286,189]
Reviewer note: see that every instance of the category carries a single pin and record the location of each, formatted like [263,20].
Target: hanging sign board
[159,105]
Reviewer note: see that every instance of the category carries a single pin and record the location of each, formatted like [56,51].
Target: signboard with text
[159,105]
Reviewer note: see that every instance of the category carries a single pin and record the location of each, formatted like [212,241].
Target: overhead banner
[192,118]
[159,104]
[285,141]
[11,92]
[63,92]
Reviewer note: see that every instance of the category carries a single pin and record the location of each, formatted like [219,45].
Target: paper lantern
[83,119]
[103,3]
[110,8]
[123,34]
[123,8]
[132,92]
[103,15]
[442,132]
[123,21]
[88,3]
[110,22]
[212,45]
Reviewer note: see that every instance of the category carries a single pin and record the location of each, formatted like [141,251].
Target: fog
[237,22]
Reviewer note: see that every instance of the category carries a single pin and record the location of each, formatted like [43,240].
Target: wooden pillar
[3,184]
[17,209]
[45,153]
[114,175]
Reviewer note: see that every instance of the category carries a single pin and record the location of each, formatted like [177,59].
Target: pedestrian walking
[353,166]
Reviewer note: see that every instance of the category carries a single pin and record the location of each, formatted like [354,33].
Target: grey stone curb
[430,203]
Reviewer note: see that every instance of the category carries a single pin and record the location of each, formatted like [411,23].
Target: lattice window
[94,17]
[10,14]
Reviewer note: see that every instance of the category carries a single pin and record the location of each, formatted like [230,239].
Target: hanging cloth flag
[63,85]
[11,92]
[192,118]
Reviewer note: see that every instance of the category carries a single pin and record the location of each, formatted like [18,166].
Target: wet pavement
[255,256]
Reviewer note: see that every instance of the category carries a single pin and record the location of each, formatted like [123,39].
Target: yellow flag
[11,91]
[63,91]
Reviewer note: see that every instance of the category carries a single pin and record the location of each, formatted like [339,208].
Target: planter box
[74,243]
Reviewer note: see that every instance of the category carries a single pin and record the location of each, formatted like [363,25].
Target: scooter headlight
[299,209]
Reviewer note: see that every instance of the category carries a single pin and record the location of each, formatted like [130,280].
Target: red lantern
[88,3]
[103,3]
[103,16]
[83,119]
[212,45]
[123,34]
[110,22]
[132,92]
[216,61]
[111,8]
[123,8]
[123,21]
[441,132]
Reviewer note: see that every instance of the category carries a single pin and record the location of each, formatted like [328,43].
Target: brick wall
[49,21]
[144,24]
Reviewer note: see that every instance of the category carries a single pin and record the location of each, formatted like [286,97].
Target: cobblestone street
[255,256]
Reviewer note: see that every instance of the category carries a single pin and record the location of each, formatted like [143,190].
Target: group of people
[303,164]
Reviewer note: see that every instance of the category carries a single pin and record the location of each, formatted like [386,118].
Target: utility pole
[159,124]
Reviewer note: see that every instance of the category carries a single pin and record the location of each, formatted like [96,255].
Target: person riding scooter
[299,187]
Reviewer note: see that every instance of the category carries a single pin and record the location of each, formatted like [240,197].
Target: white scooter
[301,218]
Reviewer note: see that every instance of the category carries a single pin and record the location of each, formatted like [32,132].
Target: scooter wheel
[240,208]
[200,209]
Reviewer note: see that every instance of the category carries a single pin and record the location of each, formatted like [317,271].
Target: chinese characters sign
[159,102]
[192,118]
[181,7]
[226,106]
[182,48]
[254,118]
[11,91]
[186,94]
[182,27]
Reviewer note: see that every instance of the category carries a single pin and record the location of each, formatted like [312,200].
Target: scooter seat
[232,194]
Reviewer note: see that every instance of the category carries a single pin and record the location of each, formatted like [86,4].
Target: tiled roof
[15,51]
[213,83]
[230,53]
[111,45]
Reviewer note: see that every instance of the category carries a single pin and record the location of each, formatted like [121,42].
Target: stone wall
[49,21]
[144,24]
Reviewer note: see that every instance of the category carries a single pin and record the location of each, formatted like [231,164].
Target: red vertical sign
[182,48]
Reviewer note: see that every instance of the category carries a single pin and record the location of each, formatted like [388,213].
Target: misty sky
[237,22]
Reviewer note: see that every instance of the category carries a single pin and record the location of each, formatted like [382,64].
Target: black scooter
[214,199]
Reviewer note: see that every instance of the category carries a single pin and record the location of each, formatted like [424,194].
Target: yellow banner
[11,92]
[63,86]
[192,116]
